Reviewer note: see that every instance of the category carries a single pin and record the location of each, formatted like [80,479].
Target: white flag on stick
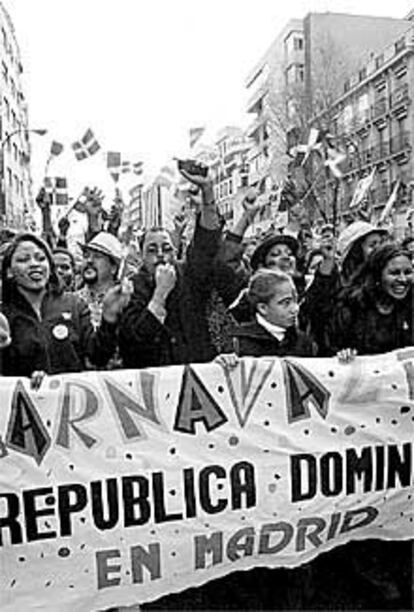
[362,189]
[390,203]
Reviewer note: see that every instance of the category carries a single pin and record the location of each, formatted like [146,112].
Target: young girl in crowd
[273,332]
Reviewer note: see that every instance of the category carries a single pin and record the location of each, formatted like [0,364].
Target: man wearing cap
[102,258]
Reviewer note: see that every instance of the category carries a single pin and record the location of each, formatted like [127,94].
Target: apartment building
[374,120]
[16,200]
[301,75]
[279,70]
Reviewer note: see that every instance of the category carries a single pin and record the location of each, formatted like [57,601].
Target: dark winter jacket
[317,306]
[251,339]
[59,342]
[184,336]
[357,323]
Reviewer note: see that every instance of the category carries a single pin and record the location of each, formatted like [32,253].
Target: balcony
[255,126]
[255,102]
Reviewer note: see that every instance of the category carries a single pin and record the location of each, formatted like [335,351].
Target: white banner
[119,487]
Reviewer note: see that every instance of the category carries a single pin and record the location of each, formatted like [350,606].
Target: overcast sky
[142,72]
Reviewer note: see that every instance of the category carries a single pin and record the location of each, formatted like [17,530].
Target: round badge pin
[60,332]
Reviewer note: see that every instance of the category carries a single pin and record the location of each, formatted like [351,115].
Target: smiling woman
[51,331]
[377,317]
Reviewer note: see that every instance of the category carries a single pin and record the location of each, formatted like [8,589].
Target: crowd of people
[219,296]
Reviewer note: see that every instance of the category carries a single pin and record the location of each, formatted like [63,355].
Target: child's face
[282,309]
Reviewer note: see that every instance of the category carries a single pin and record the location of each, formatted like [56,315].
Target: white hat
[105,243]
[354,232]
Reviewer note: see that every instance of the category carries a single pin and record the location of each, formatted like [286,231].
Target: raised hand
[115,300]
[165,279]
[252,203]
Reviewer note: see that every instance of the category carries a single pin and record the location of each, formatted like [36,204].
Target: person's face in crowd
[64,269]
[29,267]
[157,249]
[280,257]
[397,277]
[307,241]
[370,243]
[327,240]
[283,308]
[98,268]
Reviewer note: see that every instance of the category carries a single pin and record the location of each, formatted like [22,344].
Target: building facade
[374,121]
[300,76]
[16,199]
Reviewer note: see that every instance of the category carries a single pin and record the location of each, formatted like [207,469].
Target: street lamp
[39,132]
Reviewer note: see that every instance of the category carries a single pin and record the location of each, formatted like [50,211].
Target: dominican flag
[57,189]
[195,134]
[113,163]
[56,148]
[135,167]
[86,146]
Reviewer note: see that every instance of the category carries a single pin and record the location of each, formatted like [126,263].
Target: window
[379,61]
[399,45]
[4,37]
[13,87]
[16,183]
[362,74]
[14,120]
[301,73]
[9,177]
[15,152]
[5,72]
[7,108]
[298,44]
[230,187]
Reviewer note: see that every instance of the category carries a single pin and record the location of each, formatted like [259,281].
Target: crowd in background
[158,300]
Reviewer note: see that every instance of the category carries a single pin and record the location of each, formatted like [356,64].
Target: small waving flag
[390,203]
[333,159]
[113,163]
[56,148]
[362,189]
[166,177]
[86,146]
[195,135]
[57,188]
[135,167]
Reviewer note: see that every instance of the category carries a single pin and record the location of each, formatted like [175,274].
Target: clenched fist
[165,278]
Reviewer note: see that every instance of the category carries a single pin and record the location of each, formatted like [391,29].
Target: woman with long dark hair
[50,330]
[376,316]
